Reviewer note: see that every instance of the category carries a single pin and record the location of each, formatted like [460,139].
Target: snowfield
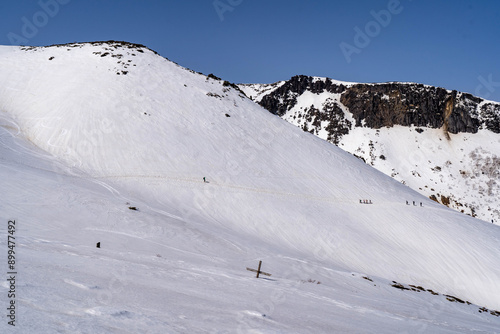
[109,143]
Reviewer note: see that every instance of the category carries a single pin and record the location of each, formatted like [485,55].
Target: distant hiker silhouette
[204,180]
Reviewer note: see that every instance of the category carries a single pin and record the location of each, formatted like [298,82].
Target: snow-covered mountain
[108,142]
[444,144]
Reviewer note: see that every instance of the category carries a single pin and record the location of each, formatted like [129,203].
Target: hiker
[407,203]
[204,180]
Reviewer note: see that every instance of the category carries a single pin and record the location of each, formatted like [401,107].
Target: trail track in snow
[345,198]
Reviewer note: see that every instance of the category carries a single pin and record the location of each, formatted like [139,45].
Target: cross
[258,271]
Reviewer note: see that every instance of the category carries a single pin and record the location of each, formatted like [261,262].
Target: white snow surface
[458,170]
[80,144]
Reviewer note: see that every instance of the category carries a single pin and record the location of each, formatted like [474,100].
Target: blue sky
[451,44]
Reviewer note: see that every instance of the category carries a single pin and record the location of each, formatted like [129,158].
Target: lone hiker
[204,180]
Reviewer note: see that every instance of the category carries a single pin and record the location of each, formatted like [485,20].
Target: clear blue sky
[453,44]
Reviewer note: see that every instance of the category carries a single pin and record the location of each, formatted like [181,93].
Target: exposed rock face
[285,97]
[395,104]
[490,113]
[386,105]
[389,104]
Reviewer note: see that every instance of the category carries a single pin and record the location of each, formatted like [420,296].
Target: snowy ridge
[83,142]
[257,91]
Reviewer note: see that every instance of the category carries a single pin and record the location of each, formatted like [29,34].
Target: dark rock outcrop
[490,113]
[389,104]
[395,104]
[285,97]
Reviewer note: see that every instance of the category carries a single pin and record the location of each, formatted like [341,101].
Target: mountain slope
[145,139]
[444,144]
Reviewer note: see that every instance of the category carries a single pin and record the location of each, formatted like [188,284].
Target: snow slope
[458,170]
[86,135]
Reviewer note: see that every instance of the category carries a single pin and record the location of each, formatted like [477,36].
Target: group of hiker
[369,201]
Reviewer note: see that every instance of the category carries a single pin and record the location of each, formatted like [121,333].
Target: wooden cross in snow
[258,271]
